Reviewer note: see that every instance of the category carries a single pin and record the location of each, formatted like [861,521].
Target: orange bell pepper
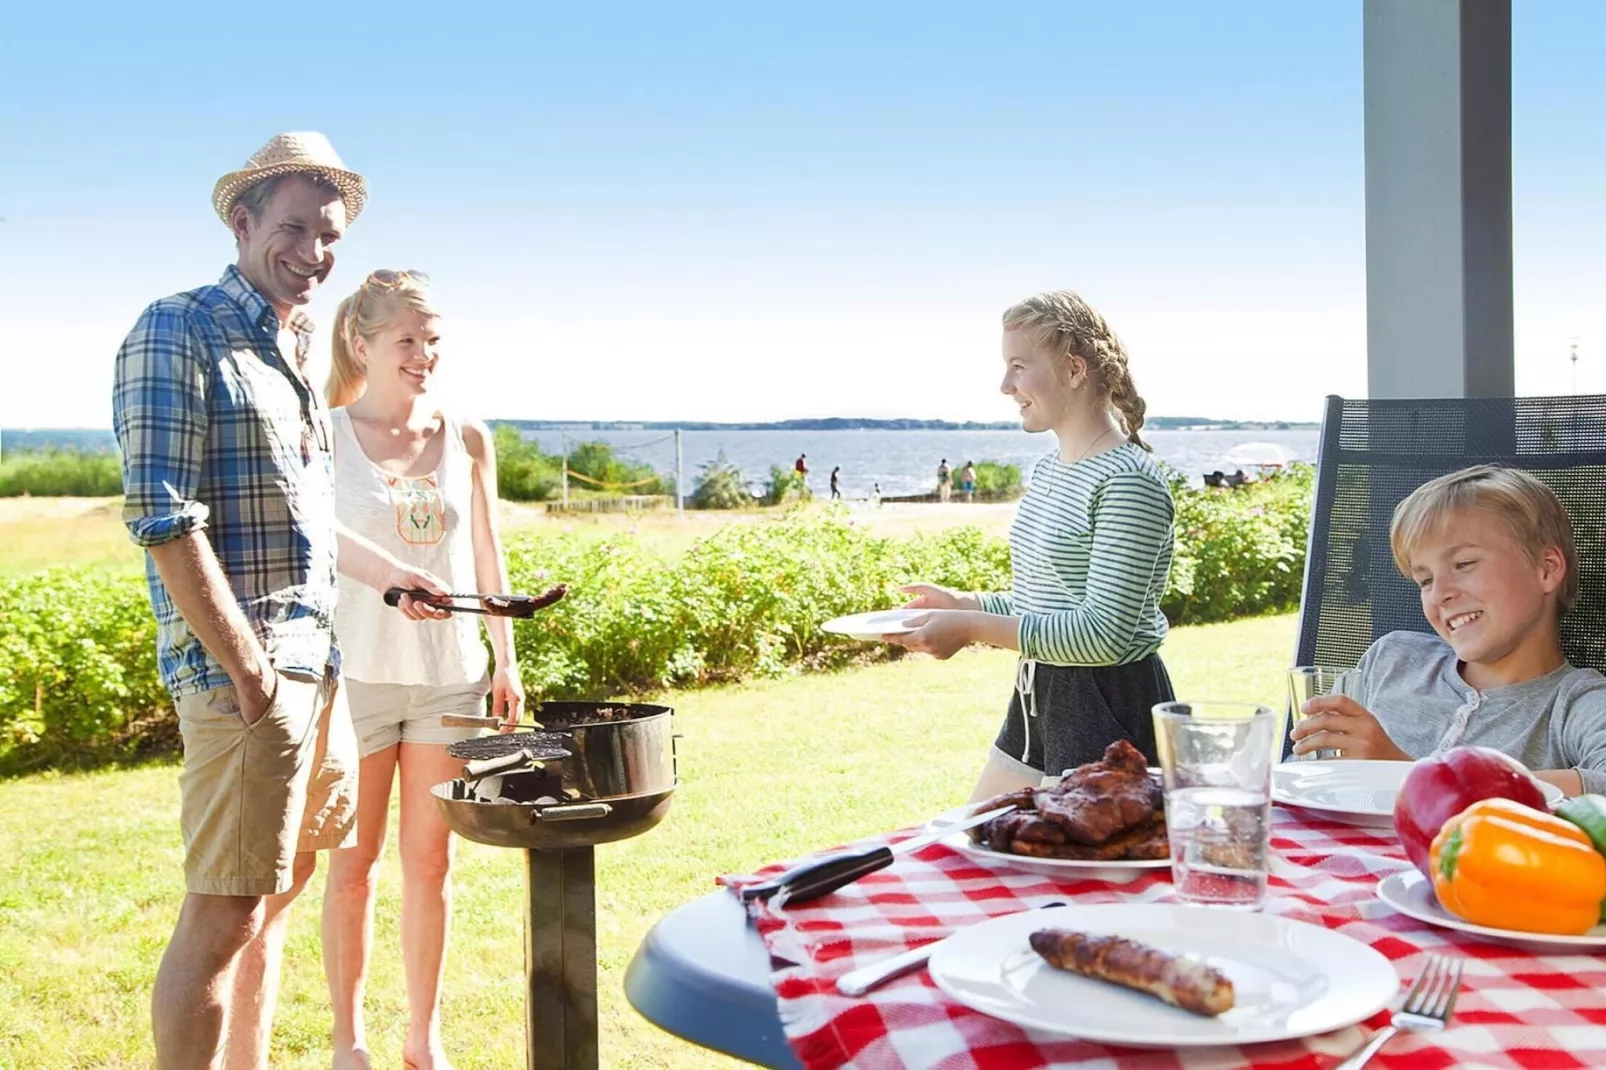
[1505,865]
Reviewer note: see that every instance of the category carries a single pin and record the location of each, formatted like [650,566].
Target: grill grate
[547,746]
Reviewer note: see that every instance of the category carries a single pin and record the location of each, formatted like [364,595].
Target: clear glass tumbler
[1216,758]
[1306,682]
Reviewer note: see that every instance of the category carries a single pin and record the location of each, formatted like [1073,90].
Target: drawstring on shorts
[1026,688]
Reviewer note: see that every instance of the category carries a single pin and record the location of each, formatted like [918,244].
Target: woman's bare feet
[355,1058]
[429,1055]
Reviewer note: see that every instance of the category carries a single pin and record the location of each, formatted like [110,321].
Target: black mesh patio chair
[1374,453]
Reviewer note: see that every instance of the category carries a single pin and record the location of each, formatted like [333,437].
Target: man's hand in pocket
[256,696]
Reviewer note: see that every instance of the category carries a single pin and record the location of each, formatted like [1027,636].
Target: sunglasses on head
[387,279]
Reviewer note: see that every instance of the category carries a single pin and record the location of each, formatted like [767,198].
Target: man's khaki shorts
[252,796]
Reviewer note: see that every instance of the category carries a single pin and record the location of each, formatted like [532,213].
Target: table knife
[858,982]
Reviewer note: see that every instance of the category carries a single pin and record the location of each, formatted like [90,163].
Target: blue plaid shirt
[219,432]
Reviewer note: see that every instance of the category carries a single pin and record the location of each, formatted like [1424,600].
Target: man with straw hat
[228,484]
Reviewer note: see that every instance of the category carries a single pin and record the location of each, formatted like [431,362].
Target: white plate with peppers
[1499,861]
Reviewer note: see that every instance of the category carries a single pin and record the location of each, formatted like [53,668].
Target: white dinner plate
[1411,894]
[1290,979]
[1352,790]
[1065,869]
[872,626]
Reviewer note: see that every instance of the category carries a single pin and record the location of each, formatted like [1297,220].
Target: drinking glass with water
[1306,682]
[1216,758]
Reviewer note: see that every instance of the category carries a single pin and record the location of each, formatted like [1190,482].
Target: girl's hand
[507,696]
[942,634]
[1339,722]
[930,596]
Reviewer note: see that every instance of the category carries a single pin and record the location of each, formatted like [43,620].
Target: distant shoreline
[850,423]
[97,439]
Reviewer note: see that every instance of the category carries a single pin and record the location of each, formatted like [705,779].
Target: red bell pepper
[1440,787]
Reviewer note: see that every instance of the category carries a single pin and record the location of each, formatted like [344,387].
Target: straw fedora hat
[305,153]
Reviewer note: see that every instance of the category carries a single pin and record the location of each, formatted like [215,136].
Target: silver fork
[1427,1008]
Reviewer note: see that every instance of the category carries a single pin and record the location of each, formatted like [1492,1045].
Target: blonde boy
[1491,550]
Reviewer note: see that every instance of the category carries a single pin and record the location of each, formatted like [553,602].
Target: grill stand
[560,959]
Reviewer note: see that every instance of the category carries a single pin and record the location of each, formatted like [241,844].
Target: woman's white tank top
[425,521]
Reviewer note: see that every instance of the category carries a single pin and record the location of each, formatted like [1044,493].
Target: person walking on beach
[228,486]
[801,467]
[1091,552]
[422,483]
[945,481]
[967,480]
[836,482]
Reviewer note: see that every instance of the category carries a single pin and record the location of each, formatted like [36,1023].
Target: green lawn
[90,864]
[37,533]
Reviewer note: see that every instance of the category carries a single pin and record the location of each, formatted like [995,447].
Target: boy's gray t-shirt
[1413,686]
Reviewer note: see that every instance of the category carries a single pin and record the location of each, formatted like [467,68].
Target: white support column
[1438,198]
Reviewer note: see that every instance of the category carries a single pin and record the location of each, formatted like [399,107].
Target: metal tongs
[519,606]
[823,876]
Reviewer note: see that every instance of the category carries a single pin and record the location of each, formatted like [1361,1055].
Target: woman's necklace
[1090,445]
[1059,472]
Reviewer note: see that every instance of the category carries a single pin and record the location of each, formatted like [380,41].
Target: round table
[703,974]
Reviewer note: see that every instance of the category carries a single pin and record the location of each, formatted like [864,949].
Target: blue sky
[712,211]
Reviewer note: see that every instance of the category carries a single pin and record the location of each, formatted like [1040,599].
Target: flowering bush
[77,651]
[1240,552]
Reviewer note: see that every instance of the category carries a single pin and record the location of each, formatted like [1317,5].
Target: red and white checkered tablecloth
[1516,1008]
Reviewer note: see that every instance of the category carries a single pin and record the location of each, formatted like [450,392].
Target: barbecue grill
[606,772]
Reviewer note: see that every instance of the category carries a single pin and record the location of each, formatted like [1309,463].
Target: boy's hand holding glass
[1338,722]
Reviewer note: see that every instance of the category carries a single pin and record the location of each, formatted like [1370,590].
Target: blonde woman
[422,484]
[1091,552]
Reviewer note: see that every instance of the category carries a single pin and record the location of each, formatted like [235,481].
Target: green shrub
[77,666]
[599,469]
[523,472]
[77,650]
[618,629]
[720,486]
[61,473]
[1240,552]
[786,485]
[995,478]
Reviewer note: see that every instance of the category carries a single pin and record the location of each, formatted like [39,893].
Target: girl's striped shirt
[1091,551]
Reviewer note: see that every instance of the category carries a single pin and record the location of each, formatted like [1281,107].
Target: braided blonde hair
[364,314]
[1062,323]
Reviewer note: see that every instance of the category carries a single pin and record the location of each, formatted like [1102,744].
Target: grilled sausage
[551,595]
[523,606]
[1180,981]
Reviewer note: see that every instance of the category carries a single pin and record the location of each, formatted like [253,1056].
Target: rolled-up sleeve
[1132,531]
[160,415]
